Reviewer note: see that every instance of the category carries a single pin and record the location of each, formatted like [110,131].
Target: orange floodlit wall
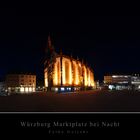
[73,72]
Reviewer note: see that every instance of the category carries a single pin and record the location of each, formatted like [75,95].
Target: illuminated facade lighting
[63,71]
[74,73]
[62,88]
[26,89]
[21,89]
[30,89]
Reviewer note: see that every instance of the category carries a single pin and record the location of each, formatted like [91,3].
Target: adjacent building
[135,82]
[120,82]
[2,86]
[65,73]
[20,83]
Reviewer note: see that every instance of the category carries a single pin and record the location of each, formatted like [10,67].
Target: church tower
[64,73]
[49,62]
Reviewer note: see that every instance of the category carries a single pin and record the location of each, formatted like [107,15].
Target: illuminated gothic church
[64,73]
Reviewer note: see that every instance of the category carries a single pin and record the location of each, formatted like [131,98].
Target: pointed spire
[77,58]
[49,42]
[50,46]
[50,51]
[82,61]
[86,63]
[60,51]
[71,55]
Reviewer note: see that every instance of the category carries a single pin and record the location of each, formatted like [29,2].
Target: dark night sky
[110,44]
